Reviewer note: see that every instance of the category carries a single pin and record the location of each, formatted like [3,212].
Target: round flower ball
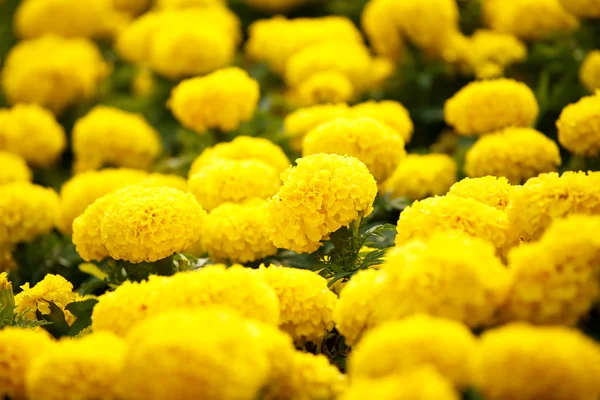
[389,112]
[221,100]
[322,193]
[33,133]
[582,8]
[14,168]
[324,87]
[379,146]
[381,28]
[238,232]
[515,153]
[110,136]
[305,301]
[53,72]
[519,361]
[83,368]
[233,181]
[18,349]
[487,106]
[491,190]
[298,123]
[577,126]
[211,354]
[243,148]
[589,72]
[418,176]
[53,288]
[26,212]
[415,341]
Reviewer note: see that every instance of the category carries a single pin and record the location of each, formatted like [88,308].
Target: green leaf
[58,325]
[83,311]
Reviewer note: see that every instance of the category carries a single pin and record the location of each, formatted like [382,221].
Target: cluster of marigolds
[485,286]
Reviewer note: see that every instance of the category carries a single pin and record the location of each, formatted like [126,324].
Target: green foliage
[82,310]
[56,324]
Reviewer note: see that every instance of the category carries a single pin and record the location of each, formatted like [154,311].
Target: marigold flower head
[487,106]
[14,168]
[18,348]
[553,363]
[33,133]
[320,195]
[589,72]
[52,71]
[157,179]
[194,346]
[582,8]
[399,346]
[528,19]
[86,228]
[489,50]
[52,289]
[81,368]
[298,123]
[515,153]
[305,301]
[577,126]
[440,213]
[324,87]
[243,148]
[382,29]
[489,190]
[238,232]
[223,99]
[233,181]
[389,112]
[26,212]
[418,176]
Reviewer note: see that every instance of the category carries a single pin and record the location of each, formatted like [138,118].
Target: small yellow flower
[325,87]
[298,123]
[52,289]
[389,112]
[14,168]
[578,126]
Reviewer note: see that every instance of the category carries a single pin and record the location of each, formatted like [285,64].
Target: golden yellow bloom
[489,190]
[324,87]
[419,176]
[275,6]
[582,8]
[233,181]
[398,347]
[298,123]
[157,179]
[522,362]
[389,112]
[320,195]
[14,168]
[423,383]
[33,133]
[515,153]
[26,211]
[487,106]
[578,126]
[86,228]
[382,29]
[18,348]
[376,144]
[243,148]
[556,278]
[110,136]
[441,213]
[53,72]
[589,72]
[489,51]
[305,301]
[84,368]
[450,275]
[211,354]
[53,288]
[238,232]
[528,19]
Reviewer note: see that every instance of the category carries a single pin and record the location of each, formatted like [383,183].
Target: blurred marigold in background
[323,87]
[589,72]
[108,136]
[382,29]
[14,168]
[52,71]
[222,100]
[579,126]
[491,190]
[582,8]
[389,112]
[276,6]
[132,7]
[299,122]
[488,53]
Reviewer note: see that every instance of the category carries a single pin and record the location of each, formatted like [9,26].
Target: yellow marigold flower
[515,153]
[582,8]
[398,347]
[577,126]
[320,195]
[298,123]
[226,355]
[431,276]
[389,112]
[238,232]
[52,71]
[109,136]
[519,361]
[305,301]
[589,72]
[233,181]
[487,106]
[157,179]
[556,278]
[423,383]
[382,29]
[324,87]
[33,133]
[26,211]
[354,312]
[376,144]
[53,288]
[243,148]
[83,368]
[223,100]
[18,348]
[528,19]
[419,176]
[14,168]
[489,49]
[540,200]
[489,190]
[275,6]
[439,213]
[87,235]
